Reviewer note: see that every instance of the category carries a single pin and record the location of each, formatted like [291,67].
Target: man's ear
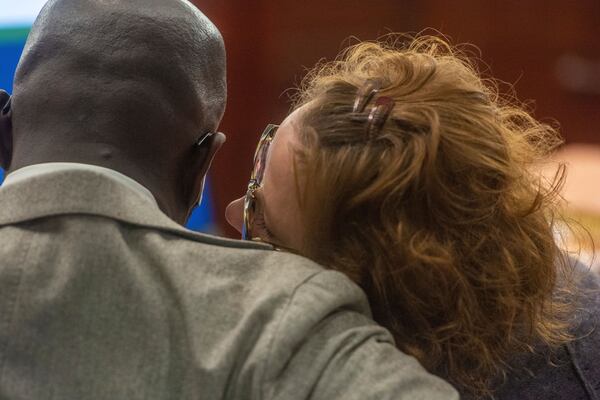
[203,157]
[6,136]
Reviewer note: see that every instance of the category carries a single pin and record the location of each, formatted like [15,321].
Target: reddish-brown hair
[439,218]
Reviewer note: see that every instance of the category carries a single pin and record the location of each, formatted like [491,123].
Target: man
[103,294]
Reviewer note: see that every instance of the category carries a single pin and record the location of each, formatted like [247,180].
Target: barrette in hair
[365,94]
[379,114]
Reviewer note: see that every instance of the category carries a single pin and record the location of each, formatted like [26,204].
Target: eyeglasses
[258,171]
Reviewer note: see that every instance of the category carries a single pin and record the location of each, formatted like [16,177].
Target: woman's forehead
[278,181]
[278,192]
[279,157]
[292,121]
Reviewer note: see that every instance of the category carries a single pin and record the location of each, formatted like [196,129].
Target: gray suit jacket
[104,297]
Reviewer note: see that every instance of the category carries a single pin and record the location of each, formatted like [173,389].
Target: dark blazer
[102,296]
[573,371]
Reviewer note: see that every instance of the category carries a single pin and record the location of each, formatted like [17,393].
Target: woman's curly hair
[440,217]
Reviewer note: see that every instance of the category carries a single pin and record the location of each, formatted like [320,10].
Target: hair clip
[379,114]
[365,94]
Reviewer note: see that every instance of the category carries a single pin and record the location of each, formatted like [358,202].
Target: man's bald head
[123,59]
[129,84]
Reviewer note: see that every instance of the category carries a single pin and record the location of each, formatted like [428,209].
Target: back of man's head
[133,81]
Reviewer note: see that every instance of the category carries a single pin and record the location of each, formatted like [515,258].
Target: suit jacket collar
[88,192]
[45,168]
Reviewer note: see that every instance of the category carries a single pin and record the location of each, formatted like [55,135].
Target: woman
[405,170]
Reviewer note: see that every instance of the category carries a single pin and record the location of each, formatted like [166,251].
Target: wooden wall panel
[525,43]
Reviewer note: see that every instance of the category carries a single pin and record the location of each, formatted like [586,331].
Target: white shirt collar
[41,169]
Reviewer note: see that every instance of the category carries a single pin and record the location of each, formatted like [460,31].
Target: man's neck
[150,177]
[38,170]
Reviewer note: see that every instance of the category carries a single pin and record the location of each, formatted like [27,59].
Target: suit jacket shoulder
[104,297]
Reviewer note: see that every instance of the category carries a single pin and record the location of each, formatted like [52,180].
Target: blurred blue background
[15,22]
